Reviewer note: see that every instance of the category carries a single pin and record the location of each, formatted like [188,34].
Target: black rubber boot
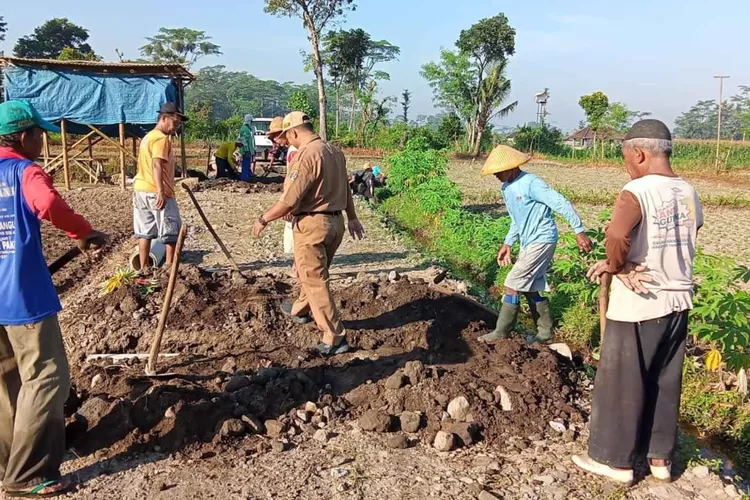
[543,318]
[506,320]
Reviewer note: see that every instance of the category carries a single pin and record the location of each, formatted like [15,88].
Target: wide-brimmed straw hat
[275,127]
[504,158]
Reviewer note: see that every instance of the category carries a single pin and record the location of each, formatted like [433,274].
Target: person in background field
[362,182]
[226,165]
[637,389]
[531,203]
[34,372]
[155,210]
[317,194]
[274,133]
[247,137]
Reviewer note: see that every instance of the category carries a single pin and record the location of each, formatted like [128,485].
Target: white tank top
[665,242]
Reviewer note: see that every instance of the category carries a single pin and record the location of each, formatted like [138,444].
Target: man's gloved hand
[93,241]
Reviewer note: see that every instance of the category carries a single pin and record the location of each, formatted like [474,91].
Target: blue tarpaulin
[91,98]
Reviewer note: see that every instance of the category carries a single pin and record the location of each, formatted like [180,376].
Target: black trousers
[637,390]
[224,169]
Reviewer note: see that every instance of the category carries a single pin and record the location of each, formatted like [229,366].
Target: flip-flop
[35,492]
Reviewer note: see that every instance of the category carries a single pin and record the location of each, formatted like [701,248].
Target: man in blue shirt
[530,203]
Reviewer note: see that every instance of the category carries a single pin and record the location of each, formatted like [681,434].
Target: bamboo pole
[91,160]
[135,154]
[122,156]
[59,157]
[108,139]
[156,345]
[66,165]
[603,304]
[45,138]
[54,164]
[183,154]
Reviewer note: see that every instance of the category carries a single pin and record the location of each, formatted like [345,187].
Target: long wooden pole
[718,125]
[66,165]
[54,164]
[114,143]
[603,304]
[91,160]
[45,138]
[135,153]
[211,229]
[156,344]
[122,156]
[57,158]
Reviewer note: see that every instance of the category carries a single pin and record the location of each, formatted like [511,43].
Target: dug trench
[245,379]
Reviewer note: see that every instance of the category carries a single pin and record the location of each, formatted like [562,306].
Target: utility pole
[718,125]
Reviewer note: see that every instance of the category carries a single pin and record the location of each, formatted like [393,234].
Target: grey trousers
[637,390]
[34,385]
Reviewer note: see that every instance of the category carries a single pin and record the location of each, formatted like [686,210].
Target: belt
[305,214]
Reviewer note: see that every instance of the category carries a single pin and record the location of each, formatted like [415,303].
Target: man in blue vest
[34,374]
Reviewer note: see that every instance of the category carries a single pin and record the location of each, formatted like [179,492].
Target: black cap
[170,108]
[649,129]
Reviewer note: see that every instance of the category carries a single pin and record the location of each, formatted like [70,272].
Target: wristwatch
[262,220]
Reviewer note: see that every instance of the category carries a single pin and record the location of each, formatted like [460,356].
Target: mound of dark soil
[242,363]
[273,184]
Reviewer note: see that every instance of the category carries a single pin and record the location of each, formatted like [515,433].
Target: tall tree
[316,15]
[71,54]
[179,45]
[3,29]
[50,39]
[700,121]
[595,107]
[344,53]
[300,101]
[472,81]
[405,103]
[620,118]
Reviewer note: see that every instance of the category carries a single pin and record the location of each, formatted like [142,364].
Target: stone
[321,436]
[444,441]
[485,396]
[396,381]
[237,383]
[563,350]
[311,407]
[458,409]
[110,310]
[230,366]
[274,428]
[560,475]
[170,413]
[232,428]
[96,380]
[486,495]
[304,416]
[253,424]
[505,401]
[278,446]
[701,472]
[545,480]
[397,442]
[467,433]
[410,421]
[394,276]
[339,473]
[414,371]
[558,427]
[374,420]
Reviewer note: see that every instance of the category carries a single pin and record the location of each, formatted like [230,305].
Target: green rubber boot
[506,320]
[542,315]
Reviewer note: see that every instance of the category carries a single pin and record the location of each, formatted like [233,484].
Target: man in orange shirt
[155,211]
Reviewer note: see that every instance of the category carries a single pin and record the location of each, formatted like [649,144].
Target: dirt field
[719,221]
[247,411]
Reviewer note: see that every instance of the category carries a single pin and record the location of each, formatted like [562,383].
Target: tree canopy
[700,121]
[316,15]
[51,38]
[179,45]
[3,29]
[595,107]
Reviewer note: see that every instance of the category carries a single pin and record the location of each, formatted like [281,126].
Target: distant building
[584,138]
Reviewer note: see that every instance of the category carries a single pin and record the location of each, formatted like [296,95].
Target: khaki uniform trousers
[316,239]
[34,385]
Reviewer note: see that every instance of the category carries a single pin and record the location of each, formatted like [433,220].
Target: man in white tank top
[637,389]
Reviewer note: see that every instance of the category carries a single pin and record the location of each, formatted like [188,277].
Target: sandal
[37,491]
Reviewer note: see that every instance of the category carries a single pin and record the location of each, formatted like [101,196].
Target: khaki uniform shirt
[317,180]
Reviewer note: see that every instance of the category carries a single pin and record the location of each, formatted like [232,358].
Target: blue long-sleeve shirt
[530,202]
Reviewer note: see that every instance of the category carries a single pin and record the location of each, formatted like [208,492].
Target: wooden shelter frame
[71,155]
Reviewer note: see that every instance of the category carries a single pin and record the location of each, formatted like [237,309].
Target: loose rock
[232,428]
[274,428]
[396,381]
[278,446]
[467,433]
[311,407]
[321,436]
[486,495]
[414,371]
[458,409]
[444,441]
[410,421]
[98,379]
[562,349]
[230,366]
[253,424]
[394,276]
[505,402]
[374,420]
[701,472]
[397,442]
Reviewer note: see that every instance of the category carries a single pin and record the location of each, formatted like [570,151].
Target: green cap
[17,116]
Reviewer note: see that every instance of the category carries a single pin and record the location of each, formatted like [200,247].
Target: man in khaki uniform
[316,193]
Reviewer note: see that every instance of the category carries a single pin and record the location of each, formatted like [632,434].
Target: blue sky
[657,56]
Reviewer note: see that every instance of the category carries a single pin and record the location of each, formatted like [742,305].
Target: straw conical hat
[504,158]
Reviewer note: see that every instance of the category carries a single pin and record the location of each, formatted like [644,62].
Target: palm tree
[494,90]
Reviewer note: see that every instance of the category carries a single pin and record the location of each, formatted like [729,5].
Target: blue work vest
[27,294]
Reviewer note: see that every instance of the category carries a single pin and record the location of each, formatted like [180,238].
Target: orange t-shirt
[156,144]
